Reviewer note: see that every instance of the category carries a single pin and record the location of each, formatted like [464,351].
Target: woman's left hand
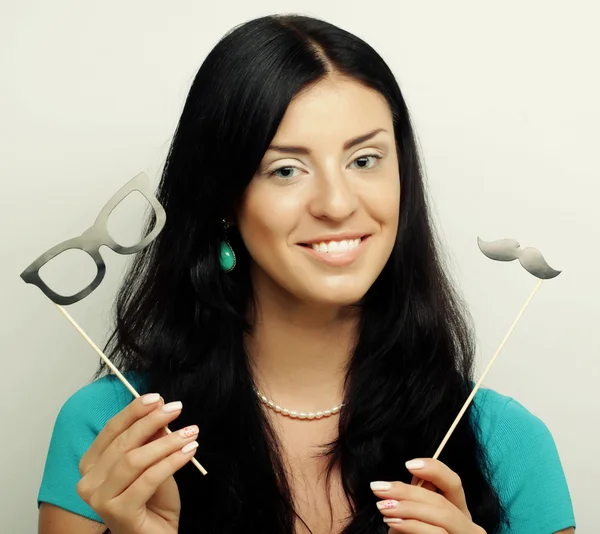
[439,507]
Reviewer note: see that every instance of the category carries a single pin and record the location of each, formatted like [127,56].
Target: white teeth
[337,246]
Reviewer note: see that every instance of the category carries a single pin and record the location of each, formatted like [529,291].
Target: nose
[334,197]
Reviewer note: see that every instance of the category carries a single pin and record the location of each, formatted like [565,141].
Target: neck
[299,352]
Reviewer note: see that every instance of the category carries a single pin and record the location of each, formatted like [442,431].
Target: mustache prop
[530,258]
[533,262]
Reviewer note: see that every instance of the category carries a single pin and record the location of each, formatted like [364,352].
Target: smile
[333,247]
[337,253]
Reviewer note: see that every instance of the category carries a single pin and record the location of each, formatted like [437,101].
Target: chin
[335,297]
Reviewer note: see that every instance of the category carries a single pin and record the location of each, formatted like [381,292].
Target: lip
[347,236]
[337,259]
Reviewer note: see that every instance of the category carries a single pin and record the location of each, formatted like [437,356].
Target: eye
[286,170]
[364,160]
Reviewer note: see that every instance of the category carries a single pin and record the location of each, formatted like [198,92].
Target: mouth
[335,246]
[337,253]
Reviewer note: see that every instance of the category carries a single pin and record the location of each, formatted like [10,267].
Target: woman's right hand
[127,473]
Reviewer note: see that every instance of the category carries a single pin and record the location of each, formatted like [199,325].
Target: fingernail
[189,431]
[149,398]
[189,447]
[392,520]
[386,505]
[415,464]
[380,486]
[172,407]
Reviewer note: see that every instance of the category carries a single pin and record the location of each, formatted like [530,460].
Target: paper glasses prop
[90,242]
[534,263]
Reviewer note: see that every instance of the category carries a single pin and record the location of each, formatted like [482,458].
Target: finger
[449,518]
[136,436]
[136,409]
[139,492]
[133,437]
[137,461]
[442,477]
[427,485]
[411,526]
[399,491]
[157,435]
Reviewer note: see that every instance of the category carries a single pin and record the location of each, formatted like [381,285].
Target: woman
[295,152]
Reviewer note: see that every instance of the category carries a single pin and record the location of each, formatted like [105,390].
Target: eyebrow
[348,144]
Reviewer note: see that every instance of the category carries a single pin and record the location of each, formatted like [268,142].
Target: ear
[232,213]
[229,221]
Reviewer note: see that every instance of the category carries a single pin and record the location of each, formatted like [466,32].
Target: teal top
[526,468]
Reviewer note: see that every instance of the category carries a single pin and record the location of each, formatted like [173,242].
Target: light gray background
[506,102]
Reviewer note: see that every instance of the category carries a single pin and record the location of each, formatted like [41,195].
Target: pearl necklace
[293,414]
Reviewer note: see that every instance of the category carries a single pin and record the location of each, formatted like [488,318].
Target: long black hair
[181,321]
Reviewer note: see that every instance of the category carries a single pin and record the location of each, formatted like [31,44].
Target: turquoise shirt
[526,468]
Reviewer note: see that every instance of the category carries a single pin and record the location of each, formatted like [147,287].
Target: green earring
[226,256]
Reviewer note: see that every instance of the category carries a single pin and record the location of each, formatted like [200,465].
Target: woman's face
[320,216]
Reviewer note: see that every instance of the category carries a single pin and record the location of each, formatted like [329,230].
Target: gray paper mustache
[509,249]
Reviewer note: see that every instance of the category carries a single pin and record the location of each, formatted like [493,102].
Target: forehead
[334,109]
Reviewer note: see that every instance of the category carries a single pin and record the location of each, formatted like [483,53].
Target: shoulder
[500,418]
[505,425]
[524,464]
[95,403]
[509,431]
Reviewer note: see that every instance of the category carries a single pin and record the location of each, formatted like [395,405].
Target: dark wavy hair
[181,321]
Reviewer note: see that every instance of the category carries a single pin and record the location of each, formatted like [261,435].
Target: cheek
[265,219]
[392,201]
[256,230]
[384,202]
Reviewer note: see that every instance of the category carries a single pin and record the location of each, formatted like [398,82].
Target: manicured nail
[172,407]
[149,398]
[392,520]
[415,464]
[189,431]
[380,486]
[189,447]
[386,505]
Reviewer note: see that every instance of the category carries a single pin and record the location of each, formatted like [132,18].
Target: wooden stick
[115,371]
[478,385]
